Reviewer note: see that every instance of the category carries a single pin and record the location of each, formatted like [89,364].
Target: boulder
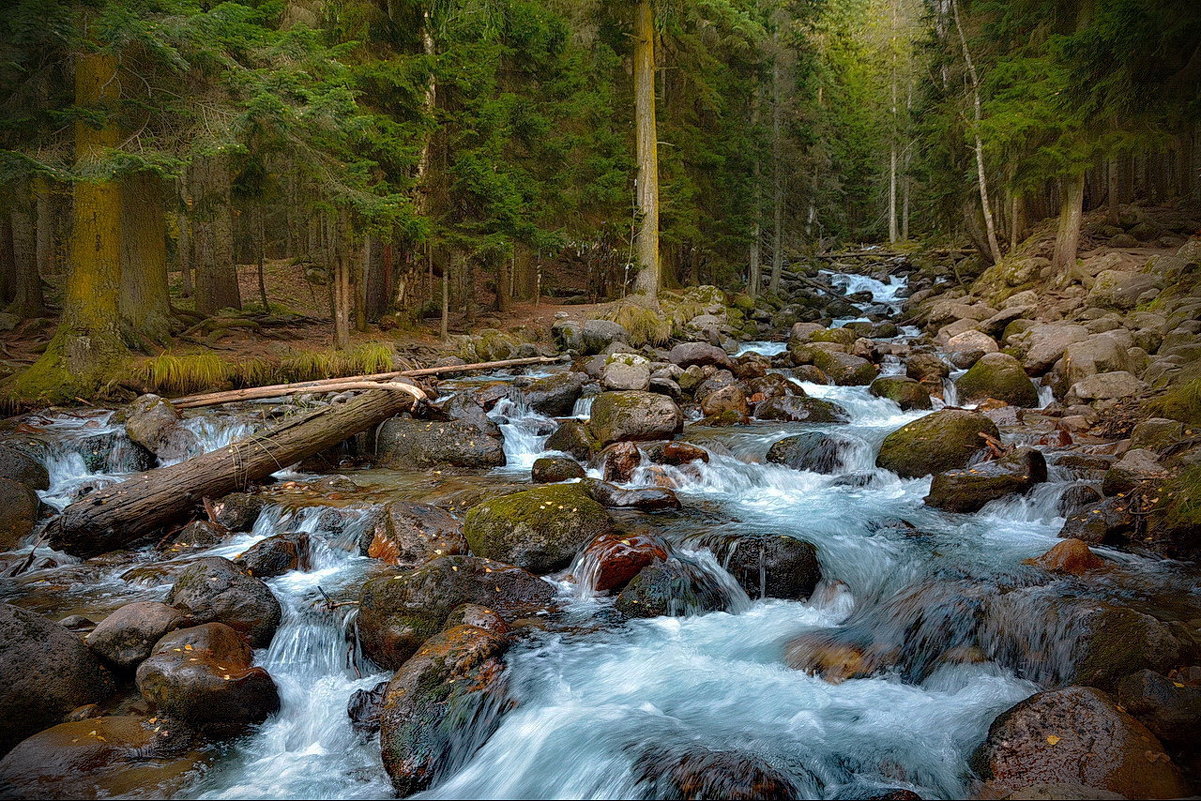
[697,772]
[969,489]
[902,390]
[1133,469]
[274,556]
[927,368]
[1170,709]
[687,354]
[772,565]
[466,408]
[772,385]
[17,465]
[626,371]
[795,409]
[405,444]
[1071,556]
[835,660]
[1075,735]
[970,341]
[127,636]
[45,672]
[672,587]
[596,335]
[1156,433]
[121,756]
[148,419]
[1045,343]
[610,560]
[553,469]
[203,677]
[214,589]
[575,438]
[998,376]
[620,416]
[647,499]
[539,530]
[238,511]
[1105,386]
[1106,522]
[619,461]
[1116,289]
[399,610]
[19,507]
[568,335]
[1113,641]
[945,440]
[410,534]
[845,369]
[1099,354]
[364,708]
[728,401]
[814,451]
[555,395]
[442,704]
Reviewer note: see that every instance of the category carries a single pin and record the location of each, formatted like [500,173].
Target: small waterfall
[525,432]
[583,407]
[1046,396]
[950,393]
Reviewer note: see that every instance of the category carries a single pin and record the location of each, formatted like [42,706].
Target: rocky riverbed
[884,536]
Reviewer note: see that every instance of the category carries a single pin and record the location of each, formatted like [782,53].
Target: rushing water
[590,705]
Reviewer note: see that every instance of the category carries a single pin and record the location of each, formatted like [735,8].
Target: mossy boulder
[401,609]
[843,336]
[19,507]
[999,376]
[573,437]
[902,390]
[553,469]
[214,589]
[796,409]
[555,395]
[969,489]
[945,440]
[618,416]
[539,530]
[845,369]
[405,444]
[20,466]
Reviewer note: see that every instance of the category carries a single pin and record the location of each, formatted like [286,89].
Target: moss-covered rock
[618,416]
[902,390]
[399,610]
[969,489]
[555,395]
[573,437]
[843,336]
[945,440]
[999,376]
[539,530]
[845,369]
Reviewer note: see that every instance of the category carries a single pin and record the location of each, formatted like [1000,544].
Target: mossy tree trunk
[1071,210]
[145,301]
[647,151]
[212,235]
[27,298]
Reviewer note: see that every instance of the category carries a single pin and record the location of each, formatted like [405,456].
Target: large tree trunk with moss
[216,277]
[120,514]
[145,302]
[646,246]
[1071,211]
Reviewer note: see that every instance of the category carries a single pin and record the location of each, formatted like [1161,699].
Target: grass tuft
[1182,402]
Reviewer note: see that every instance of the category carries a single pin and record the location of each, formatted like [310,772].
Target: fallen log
[118,515]
[319,385]
[258,393]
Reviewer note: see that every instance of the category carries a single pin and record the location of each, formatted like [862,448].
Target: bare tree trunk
[646,244]
[212,235]
[990,225]
[893,233]
[777,200]
[46,255]
[444,326]
[342,301]
[145,299]
[1067,238]
[183,245]
[27,299]
[260,239]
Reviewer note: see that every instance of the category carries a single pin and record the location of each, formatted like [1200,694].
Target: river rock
[1071,556]
[772,565]
[19,507]
[18,465]
[148,419]
[945,440]
[619,461]
[596,335]
[466,408]
[676,453]
[1106,522]
[214,589]
[610,560]
[834,659]
[1170,709]
[814,451]
[1117,289]
[127,636]
[539,530]
[998,376]
[276,555]
[729,401]
[120,756]
[772,385]
[410,534]
[364,708]
[553,469]
[1135,467]
[405,444]
[672,587]
[845,369]
[1113,641]
[1044,344]
[927,368]
[1156,433]
[573,437]
[971,341]
[238,511]
[203,676]
[399,610]
[648,499]
[620,416]
[45,672]
[969,489]
[555,395]
[1105,386]
[626,371]
[902,390]
[1099,354]
[697,772]
[795,409]
[442,704]
[1076,735]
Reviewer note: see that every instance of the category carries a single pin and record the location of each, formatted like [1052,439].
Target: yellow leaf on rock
[1052,739]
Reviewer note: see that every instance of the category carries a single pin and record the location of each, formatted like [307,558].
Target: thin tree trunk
[444,326]
[990,225]
[44,196]
[893,232]
[260,239]
[646,245]
[8,265]
[1067,237]
[504,276]
[145,299]
[342,300]
[27,299]
[777,194]
[1017,223]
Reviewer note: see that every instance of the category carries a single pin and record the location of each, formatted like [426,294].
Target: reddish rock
[611,560]
[620,460]
[678,453]
[411,534]
[820,655]
[729,400]
[699,773]
[1076,735]
[1070,556]
[277,555]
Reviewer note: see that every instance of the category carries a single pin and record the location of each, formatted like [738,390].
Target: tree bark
[44,198]
[777,194]
[1071,210]
[990,225]
[341,284]
[145,301]
[27,299]
[893,232]
[117,515]
[646,246]
[212,236]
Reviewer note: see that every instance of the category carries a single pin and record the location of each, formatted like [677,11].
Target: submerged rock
[945,440]
[214,589]
[539,530]
[674,587]
[795,409]
[1076,735]
[815,451]
[610,560]
[696,773]
[277,555]
[441,705]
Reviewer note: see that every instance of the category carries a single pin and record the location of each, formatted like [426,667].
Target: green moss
[1180,500]
[1182,402]
[645,325]
[999,376]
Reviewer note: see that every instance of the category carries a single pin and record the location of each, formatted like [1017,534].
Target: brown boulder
[1070,556]
[215,589]
[277,555]
[610,560]
[128,635]
[410,534]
